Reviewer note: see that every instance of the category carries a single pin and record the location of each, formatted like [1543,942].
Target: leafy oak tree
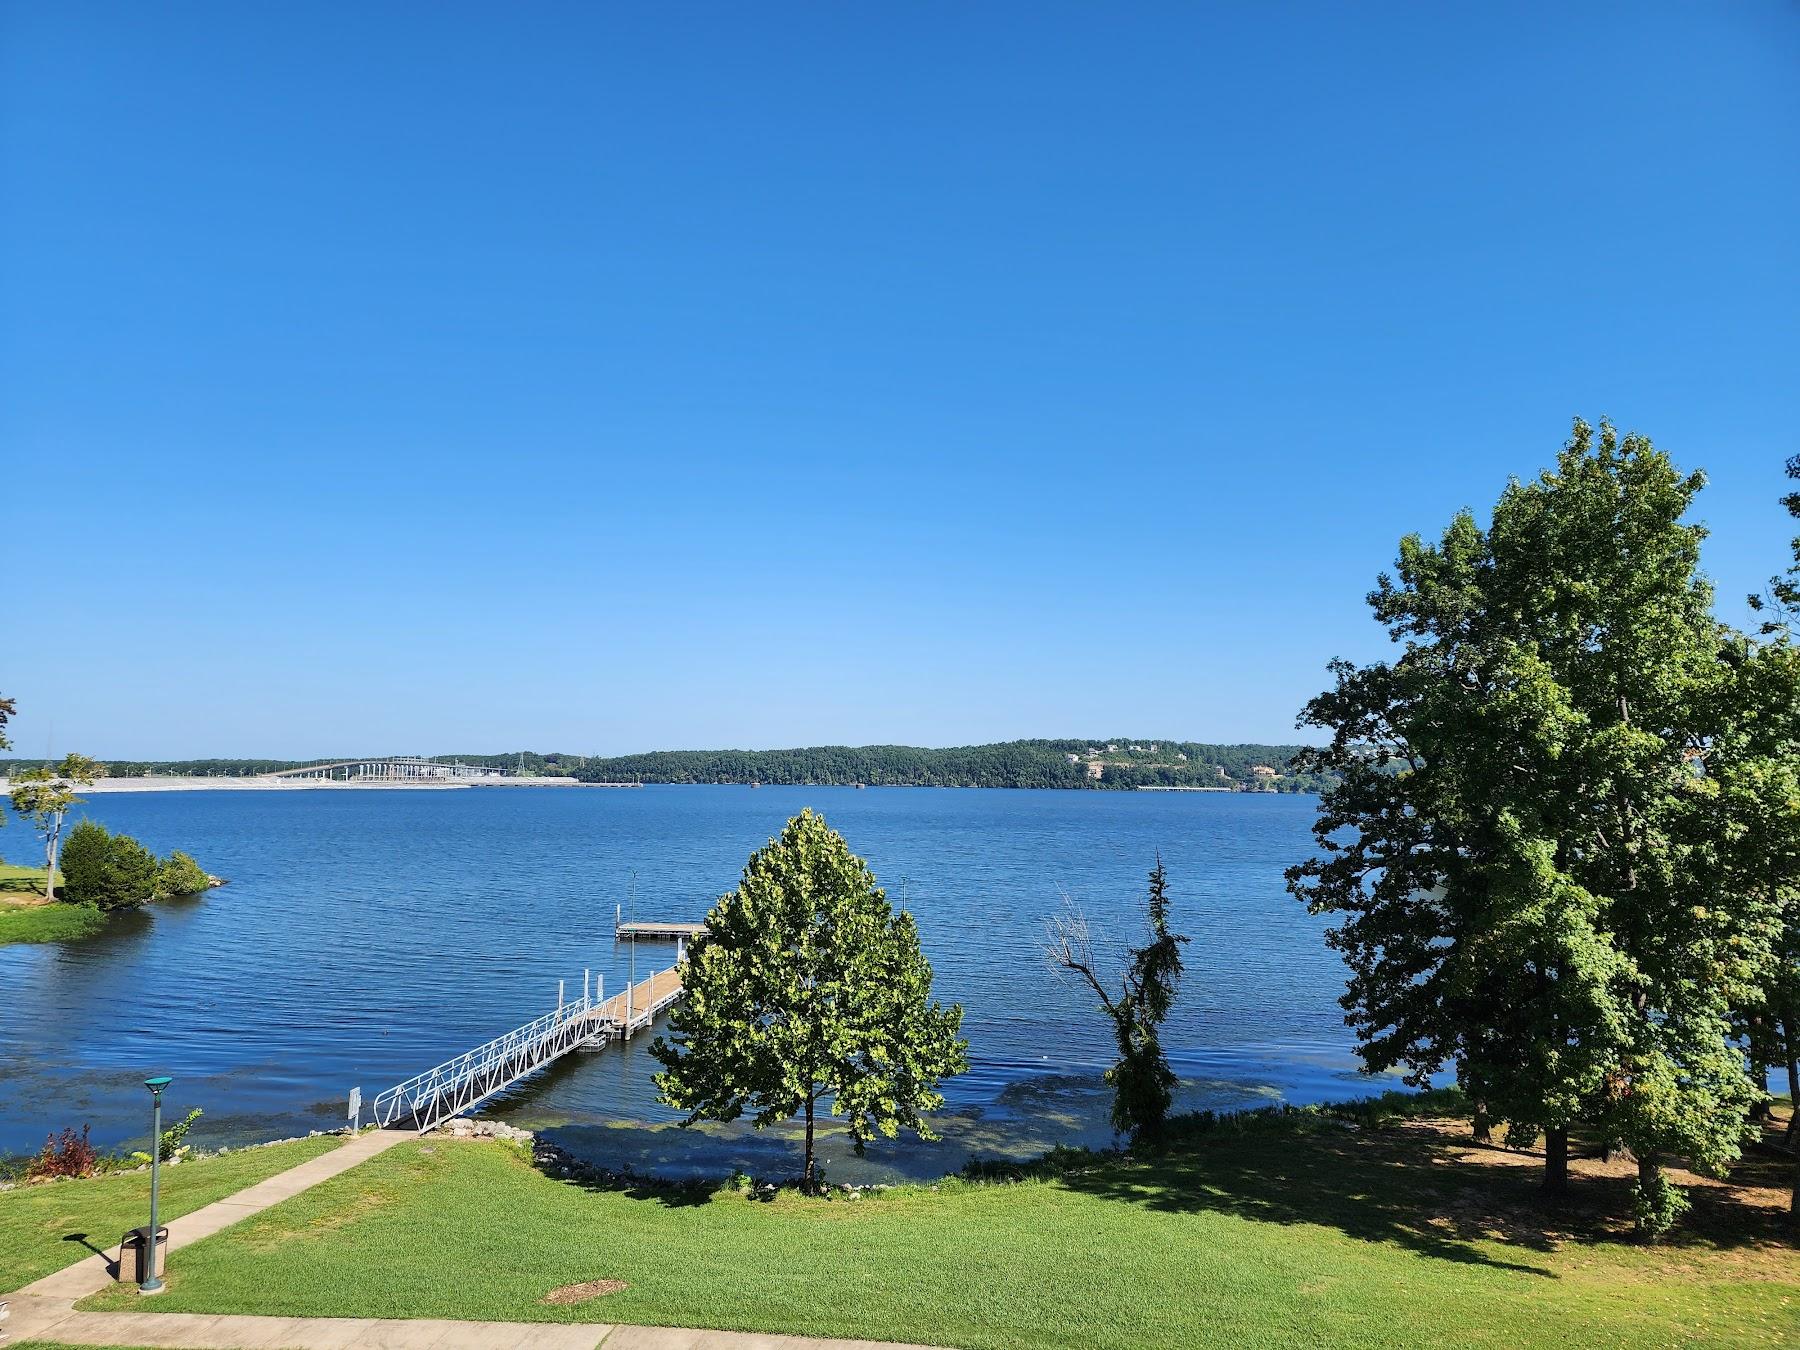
[808,986]
[44,795]
[1143,1084]
[1519,847]
[1782,604]
[1759,770]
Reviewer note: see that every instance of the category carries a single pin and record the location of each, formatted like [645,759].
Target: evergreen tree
[807,986]
[85,854]
[1143,1084]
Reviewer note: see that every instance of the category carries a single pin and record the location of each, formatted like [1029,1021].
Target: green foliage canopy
[1529,897]
[807,985]
[179,874]
[115,871]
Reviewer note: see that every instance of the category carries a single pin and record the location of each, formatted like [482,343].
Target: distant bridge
[391,769]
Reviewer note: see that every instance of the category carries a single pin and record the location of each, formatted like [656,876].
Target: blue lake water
[367,935]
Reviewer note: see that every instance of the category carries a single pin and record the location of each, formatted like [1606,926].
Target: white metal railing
[461,1084]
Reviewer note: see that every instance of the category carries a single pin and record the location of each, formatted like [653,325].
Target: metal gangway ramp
[461,1084]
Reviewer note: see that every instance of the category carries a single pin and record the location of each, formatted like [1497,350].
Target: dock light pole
[152,1282]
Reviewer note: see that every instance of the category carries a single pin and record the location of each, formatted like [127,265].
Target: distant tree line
[177,768]
[1124,763]
[1012,764]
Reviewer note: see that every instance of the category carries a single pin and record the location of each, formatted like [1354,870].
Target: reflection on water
[366,936]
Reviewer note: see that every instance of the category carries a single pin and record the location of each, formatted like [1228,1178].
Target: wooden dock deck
[627,928]
[632,1012]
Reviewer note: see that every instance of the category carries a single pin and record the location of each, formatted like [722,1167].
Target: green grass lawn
[24,918]
[47,923]
[48,1226]
[1295,1231]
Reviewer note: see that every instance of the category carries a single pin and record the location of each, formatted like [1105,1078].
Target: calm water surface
[365,936]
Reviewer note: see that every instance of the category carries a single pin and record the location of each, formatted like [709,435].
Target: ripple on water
[366,936]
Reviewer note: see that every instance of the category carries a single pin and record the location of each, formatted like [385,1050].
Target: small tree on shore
[1143,1084]
[44,795]
[807,986]
[85,855]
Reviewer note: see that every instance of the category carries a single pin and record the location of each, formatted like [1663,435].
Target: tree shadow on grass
[559,1165]
[1420,1185]
[1371,1185]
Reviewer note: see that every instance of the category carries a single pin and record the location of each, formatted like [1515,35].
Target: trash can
[131,1254]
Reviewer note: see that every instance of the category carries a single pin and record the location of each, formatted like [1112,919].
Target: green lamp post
[152,1282]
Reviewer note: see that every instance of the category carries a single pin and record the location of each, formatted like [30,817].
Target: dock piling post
[559,996]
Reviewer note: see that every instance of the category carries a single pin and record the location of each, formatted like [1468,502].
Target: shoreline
[247,784]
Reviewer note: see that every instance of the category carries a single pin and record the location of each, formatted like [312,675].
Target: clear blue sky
[608,377]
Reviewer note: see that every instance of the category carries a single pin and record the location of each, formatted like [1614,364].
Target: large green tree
[44,794]
[1758,766]
[808,987]
[1518,850]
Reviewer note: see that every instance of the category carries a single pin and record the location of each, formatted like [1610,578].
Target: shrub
[111,871]
[84,860]
[65,1155]
[179,874]
[131,873]
[1657,1203]
[172,1137]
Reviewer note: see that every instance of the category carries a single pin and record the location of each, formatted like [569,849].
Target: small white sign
[355,1112]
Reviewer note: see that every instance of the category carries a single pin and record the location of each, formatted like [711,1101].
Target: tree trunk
[807,1182]
[1794,1197]
[1757,1050]
[1556,1161]
[1484,1132]
[1791,1047]
[1649,1177]
[50,840]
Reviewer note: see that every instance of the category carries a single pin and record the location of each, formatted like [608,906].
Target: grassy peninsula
[1366,1225]
[26,917]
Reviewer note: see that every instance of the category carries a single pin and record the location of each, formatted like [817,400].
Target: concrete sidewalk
[46,1308]
[55,1320]
[96,1272]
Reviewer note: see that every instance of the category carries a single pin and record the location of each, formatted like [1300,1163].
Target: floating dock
[647,928]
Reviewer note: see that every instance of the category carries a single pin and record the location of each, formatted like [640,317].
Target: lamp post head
[156,1085]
